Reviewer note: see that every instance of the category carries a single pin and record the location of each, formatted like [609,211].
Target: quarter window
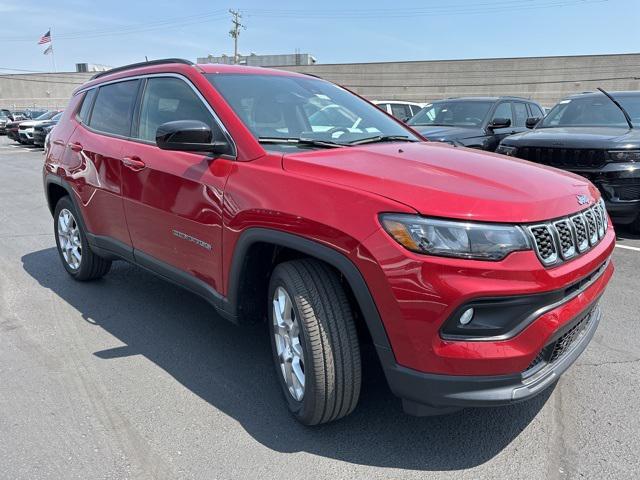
[167,99]
[114,107]
[86,105]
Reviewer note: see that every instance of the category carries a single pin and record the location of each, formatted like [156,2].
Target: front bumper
[428,394]
[26,135]
[619,184]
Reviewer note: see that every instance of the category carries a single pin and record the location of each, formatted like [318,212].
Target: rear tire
[74,250]
[323,341]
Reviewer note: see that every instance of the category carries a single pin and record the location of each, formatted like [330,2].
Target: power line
[132,28]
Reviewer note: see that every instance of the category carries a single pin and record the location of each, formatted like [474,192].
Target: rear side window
[113,108]
[520,110]
[400,110]
[535,110]
[86,106]
[169,99]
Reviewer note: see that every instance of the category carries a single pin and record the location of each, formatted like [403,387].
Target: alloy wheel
[287,333]
[69,239]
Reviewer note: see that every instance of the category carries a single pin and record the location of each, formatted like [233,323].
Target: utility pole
[235,32]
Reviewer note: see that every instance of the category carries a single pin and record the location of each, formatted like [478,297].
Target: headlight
[506,150]
[480,241]
[624,155]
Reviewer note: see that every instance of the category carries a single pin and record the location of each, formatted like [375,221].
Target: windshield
[455,113]
[277,108]
[57,117]
[593,111]
[46,116]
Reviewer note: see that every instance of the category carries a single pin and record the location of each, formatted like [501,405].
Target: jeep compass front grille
[565,238]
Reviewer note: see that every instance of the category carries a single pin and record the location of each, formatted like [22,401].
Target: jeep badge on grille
[582,199]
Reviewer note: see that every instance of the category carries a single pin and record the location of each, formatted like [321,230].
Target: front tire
[76,255]
[314,341]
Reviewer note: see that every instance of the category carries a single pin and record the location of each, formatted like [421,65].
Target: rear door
[94,151]
[172,199]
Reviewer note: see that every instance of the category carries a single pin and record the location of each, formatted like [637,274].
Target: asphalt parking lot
[131,377]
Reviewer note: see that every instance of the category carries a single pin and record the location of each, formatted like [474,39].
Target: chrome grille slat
[565,238]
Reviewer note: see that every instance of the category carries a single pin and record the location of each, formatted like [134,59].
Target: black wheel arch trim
[339,261]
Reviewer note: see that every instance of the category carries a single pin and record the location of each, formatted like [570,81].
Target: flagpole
[53,54]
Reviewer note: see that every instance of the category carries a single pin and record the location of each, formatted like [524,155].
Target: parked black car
[475,122]
[41,130]
[595,135]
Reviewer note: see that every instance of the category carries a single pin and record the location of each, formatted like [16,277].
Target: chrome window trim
[160,75]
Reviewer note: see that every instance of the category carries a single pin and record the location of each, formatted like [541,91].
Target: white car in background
[399,109]
[25,129]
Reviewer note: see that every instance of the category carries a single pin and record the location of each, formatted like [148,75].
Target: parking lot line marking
[626,247]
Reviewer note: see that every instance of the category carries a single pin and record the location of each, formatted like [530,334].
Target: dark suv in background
[593,134]
[475,122]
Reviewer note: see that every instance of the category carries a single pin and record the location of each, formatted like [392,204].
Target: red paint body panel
[334,197]
[444,181]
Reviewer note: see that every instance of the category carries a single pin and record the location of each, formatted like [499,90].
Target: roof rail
[142,64]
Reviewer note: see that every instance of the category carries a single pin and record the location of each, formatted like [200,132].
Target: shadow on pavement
[230,367]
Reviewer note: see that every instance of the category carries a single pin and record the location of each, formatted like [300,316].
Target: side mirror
[532,122]
[500,123]
[189,136]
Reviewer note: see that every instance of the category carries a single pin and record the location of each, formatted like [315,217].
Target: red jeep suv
[284,197]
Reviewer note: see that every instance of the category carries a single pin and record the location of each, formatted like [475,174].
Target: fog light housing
[466,317]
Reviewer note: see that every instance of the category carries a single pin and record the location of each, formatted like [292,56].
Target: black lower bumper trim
[457,391]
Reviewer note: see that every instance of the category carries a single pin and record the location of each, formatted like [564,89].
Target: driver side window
[167,99]
[503,111]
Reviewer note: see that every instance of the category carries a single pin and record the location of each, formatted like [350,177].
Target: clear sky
[117,32]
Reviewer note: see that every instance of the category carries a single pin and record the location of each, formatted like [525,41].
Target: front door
[173,200]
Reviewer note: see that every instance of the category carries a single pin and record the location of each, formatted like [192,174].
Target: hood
[28,123]
[577,137]
[439,134]
[440,180]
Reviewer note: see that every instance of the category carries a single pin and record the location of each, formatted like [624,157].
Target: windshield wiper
[383,138]
[300,141]
[617,104]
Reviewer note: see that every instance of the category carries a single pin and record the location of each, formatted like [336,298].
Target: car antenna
[624,112]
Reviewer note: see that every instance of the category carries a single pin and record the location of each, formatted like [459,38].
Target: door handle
[75,147]
[134,163]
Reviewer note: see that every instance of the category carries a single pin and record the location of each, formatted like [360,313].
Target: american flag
[46,38]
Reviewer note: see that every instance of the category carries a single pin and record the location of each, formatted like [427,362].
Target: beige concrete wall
[545,79]
[51,90]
